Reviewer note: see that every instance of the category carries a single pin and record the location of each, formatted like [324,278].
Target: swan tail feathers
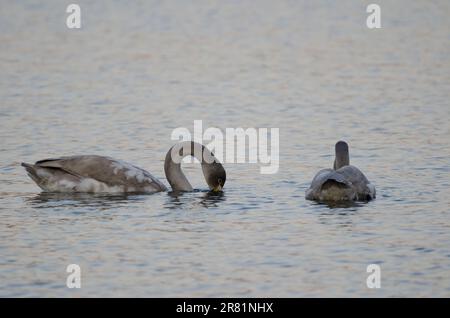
[335,188]
[32,172]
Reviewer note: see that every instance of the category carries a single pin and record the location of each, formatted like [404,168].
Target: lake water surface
[137,70]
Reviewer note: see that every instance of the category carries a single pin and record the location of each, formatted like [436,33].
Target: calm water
[135,71]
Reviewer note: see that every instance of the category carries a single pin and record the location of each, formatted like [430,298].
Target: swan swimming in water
[342,183]
[97,174]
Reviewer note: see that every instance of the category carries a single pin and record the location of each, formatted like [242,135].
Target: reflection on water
[136,71]
[49,199]
[342,205]
[207,199]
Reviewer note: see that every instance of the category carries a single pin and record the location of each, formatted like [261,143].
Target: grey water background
[137,70]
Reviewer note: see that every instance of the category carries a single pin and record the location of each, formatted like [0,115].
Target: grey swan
[342,183]
[99,174]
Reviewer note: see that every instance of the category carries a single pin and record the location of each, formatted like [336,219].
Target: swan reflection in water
[175,200]
[342,214]
[353,205]
[186,200]
[45,200]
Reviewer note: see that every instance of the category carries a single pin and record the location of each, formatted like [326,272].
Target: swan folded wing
[353,174]
[364,189]
[325,175]
[322,178]
[112,172]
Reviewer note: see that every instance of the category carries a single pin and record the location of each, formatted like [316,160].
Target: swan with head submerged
[342,183]
[98,174]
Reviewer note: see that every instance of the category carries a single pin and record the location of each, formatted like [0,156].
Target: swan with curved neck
[213,170]
[342,183]
[100,174]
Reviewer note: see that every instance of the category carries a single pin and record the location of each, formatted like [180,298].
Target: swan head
[342,155]
[215,175]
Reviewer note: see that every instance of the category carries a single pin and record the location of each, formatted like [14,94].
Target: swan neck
[172,163]
[175,175]
[342,160]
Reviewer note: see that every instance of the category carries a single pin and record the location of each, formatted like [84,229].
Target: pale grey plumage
[344,183]
[91,173]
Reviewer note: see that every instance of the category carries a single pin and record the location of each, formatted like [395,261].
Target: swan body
[91,173]
[342,183]
[99,174]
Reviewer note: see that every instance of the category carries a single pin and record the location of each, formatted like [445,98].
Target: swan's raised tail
[31,171]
